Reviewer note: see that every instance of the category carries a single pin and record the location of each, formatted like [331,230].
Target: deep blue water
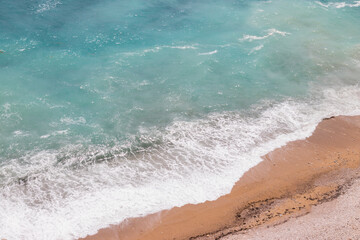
[130,107]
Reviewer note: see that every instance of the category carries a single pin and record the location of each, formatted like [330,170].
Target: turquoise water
[115,109]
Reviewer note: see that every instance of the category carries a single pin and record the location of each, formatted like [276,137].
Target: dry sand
[284,187]
[335,220]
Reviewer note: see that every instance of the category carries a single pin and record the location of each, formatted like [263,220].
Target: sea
[112,109]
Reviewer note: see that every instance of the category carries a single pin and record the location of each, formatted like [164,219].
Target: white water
[198,161]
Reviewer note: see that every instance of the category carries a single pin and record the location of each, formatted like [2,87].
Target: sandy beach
[335,220]
[307,189]
[174,120]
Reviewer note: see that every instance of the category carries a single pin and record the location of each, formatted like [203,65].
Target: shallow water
[114,109]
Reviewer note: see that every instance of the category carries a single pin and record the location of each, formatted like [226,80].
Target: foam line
[196,161]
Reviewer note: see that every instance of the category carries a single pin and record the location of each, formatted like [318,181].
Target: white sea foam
[257,48]
[209,53]
[339,4]
[71,121]
[183,47]
[47,5]
[59,195]
[20,133]
[270,32]
[159,48]
[7,113]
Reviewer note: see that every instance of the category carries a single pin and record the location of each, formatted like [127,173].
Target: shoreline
[286,184]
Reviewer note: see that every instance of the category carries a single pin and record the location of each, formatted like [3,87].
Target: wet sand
[286,185]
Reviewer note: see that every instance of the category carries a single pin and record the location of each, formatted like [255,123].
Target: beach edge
[286,184]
